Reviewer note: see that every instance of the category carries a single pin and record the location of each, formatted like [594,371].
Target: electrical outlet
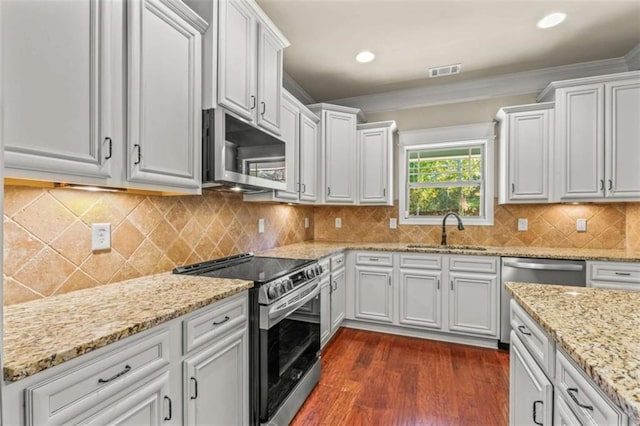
[260,226]
[338,222]
[523,224]
[306,222]
[393,223]
[581,225]
[100,236]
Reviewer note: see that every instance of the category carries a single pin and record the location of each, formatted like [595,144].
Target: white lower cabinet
[338,298]
[613,275]
[373,294]
[325,310]
[215,383]
[562,414]
[333,303]
[421,298]
[151,378]
[473,303]
[531,392]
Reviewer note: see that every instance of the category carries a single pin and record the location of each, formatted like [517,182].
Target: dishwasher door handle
[543,266]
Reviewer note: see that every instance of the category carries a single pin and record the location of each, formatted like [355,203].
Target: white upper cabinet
[597,131]
[164,102]
[375,163]
[250,63]
[308,172]
[339,137]
[57,90]
[97,94]
[526,134]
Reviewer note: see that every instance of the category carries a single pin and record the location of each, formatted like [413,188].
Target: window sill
[481,221]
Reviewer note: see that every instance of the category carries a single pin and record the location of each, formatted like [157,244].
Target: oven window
[287,351]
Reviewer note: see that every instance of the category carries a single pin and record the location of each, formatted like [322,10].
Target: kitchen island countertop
[46,332]
[598,328]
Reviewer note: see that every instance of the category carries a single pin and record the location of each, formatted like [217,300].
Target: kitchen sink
[452,247]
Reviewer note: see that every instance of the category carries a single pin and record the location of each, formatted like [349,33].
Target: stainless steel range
[284,329]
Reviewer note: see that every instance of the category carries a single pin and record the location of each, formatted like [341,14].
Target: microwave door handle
[286,310]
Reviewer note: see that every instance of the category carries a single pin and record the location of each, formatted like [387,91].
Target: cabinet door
[473,304]
[150,404]
[269,80]
[325,311]
[237,58]
[338,298]
[165,115]
[56,88]
[290,132]
[374,166]
[373,294]
[308,159]
[339,133]
[530,392]
[421,298]
[529,134]
[216,383]
[622,139]
[580,140]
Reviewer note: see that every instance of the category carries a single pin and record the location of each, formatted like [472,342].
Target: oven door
[289,345]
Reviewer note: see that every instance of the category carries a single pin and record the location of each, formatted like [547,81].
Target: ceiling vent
[446,70]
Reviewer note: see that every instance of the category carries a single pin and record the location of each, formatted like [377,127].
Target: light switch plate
[338,222]
[306,222]
[581,225]
[523,224]
[100,236]
[260,226]
[393,223]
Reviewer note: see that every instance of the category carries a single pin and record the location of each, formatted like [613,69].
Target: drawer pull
[226,318]
[624,274]
[170,413]
[522,329]
[195,388]
[127,368]
[535,403]
[374,259]
[571,392]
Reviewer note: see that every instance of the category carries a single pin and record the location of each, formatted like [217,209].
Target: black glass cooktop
[245,267]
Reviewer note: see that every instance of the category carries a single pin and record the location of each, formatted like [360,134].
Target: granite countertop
[318,249]
[46,332]
[598,328]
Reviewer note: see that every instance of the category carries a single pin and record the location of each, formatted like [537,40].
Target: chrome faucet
[444,229]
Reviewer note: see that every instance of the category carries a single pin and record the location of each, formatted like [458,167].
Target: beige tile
[45,272]
[164,235]
[103,212]
[178,216]
[103,265]
[14,292]
[76,200]
[179,251]
[76,281]
[17,198]
[45,217]
[123,202]
[145,258]
[126,238]
[74,243]
[19,247]
[127,272]
[145,217]
[192,232]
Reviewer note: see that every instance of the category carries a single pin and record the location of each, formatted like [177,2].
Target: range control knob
[283,287]
[319,269]
[289,284]
[272,292]
[311,273]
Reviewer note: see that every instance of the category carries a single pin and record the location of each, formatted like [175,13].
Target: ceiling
[409,36]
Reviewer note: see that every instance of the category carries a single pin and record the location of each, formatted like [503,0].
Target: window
[443,170]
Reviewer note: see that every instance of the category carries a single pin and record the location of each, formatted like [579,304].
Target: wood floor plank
[380,379]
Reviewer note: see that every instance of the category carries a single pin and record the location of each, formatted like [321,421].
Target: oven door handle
[285,310]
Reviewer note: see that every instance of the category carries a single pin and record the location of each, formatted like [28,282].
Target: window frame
[465,136]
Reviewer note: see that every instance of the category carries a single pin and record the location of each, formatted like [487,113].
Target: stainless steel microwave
[238,155]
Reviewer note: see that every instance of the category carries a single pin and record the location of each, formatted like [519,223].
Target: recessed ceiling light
[552,19]
[365,57]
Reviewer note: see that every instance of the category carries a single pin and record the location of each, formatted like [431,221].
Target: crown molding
[633,58]
[296,90]
[482,88]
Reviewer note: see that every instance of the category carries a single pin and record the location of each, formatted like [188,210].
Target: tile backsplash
[549,226]
[47,235]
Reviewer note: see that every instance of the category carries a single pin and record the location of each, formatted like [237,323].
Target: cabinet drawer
[374,259]
[616,272]
[215,321]
[579,393]
[325,264]
[473,264]
[540,345]
[562,414]
[337,261]
[420,261]
[79,390]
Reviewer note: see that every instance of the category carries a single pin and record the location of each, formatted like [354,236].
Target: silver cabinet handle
[127,368]
[535,403]
[572,392]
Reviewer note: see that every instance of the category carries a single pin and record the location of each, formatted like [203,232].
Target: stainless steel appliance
[239,155]
[536,271]
[284,330]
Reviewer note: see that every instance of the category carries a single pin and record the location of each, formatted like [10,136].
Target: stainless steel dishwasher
[536,271]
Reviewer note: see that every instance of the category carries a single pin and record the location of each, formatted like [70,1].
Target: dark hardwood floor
[381,379]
